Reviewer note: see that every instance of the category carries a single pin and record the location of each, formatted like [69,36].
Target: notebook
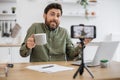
[105,50]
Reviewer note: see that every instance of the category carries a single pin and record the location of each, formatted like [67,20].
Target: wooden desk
[19,72]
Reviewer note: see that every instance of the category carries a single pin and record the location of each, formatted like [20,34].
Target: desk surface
[10,45]
[19,72]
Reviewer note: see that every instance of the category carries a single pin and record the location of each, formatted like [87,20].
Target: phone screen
[86,31]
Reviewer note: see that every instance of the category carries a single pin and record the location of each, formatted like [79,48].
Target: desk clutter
[3,70]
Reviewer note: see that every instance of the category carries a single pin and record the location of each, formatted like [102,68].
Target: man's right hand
[31,42]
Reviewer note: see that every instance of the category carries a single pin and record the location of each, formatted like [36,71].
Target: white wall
[106,21]
[28,12]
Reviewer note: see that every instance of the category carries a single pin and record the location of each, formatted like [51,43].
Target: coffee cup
[40,39]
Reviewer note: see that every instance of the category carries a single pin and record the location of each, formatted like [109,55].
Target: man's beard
[51,27]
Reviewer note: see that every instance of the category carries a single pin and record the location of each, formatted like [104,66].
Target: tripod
[83,65]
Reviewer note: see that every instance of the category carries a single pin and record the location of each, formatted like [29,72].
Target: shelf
[80,14]
[89,16]
[57,1]
[11,1]
[92,3]
[7,14]
[10,45]
[71,2]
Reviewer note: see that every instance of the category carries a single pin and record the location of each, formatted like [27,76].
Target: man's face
[52,18]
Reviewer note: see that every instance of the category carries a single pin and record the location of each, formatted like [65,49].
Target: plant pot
[13,12]
[13,9]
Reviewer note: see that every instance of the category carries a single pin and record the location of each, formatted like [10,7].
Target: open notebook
[105,50]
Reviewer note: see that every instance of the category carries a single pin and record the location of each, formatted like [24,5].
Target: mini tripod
[83,65]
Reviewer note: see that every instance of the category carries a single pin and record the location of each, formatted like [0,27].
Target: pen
[47,66]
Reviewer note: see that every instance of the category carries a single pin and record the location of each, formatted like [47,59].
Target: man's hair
[53,6]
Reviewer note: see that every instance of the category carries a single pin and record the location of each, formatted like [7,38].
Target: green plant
[13,8]
[84,3]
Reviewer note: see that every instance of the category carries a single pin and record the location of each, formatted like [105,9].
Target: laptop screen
[105,50]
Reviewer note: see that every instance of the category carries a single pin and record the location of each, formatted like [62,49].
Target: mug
[40,39]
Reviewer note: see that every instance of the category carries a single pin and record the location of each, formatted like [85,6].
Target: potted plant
[13,9]
[84,3]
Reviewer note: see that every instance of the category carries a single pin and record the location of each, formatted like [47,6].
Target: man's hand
[31,42]
[86,41]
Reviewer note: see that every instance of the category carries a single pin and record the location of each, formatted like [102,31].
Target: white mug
[40,39]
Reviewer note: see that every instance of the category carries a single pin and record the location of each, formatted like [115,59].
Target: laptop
[105,50]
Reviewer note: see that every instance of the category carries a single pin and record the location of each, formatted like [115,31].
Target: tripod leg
[89,71]
[81,70]
[76,73]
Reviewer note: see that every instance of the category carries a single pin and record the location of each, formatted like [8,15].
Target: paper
[49,68]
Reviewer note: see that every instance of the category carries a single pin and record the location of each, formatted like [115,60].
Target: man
[59,46]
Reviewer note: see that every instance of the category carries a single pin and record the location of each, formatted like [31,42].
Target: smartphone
[83,31]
